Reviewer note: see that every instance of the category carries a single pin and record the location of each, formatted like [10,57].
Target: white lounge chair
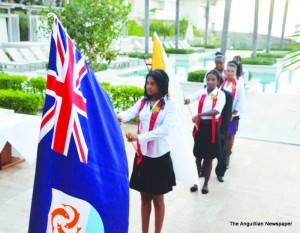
[39,53]
[5,62]
[167,45]
[187,46]
[137,46]
[183,45]
[26,57]
[123,62]
[126,45]
[172,44]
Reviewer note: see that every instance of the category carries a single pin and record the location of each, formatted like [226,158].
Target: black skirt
[203,148]
[153,175]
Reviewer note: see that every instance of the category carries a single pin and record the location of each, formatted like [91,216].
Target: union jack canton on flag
[81,180]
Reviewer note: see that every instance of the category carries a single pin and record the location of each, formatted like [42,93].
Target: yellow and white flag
[181,135]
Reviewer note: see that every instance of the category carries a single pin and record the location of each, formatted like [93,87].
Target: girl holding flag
[207,134]
[152,174]
[236,88]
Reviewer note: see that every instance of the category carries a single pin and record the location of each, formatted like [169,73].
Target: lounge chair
[137,46]
[30,56]
[126,45]
[5,62]
[167,45]
[39,54]
[187,46]
[172,44]
[25,56]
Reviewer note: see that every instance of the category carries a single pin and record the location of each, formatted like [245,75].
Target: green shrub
[247,48]
[198,45]
[197,76]
[105,86]
[281,49]
[250,75]
[259,61]
[123,97]
[209,46]
[139,55]
[20,102]
[13,82]
[212,46]
[179,51]
[99,66]
[271,55]
[37,85]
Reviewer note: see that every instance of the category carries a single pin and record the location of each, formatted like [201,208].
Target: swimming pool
[282,83]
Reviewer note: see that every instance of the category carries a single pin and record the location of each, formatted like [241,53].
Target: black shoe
[200,174]
[220,178]
[194,188]
[204,190]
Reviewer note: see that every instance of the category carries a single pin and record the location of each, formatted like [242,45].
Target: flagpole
[190,112]
[126,132]
[49,15]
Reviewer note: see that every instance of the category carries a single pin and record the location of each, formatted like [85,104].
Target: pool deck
[262,184]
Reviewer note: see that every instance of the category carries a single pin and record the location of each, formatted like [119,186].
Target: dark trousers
[221,165]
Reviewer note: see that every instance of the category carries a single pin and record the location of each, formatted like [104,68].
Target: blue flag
[81,180]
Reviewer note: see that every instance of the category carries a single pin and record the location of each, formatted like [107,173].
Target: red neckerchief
[233,87]
[153,119]
[213,118]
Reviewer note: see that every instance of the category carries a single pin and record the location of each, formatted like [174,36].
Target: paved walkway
[262,185]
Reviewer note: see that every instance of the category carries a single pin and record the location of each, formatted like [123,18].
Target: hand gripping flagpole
[126,132]
[190,112]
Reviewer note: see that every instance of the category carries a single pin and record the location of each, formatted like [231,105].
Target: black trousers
[221,165]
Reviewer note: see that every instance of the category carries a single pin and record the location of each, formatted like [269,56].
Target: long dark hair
[238,60]
[162,80]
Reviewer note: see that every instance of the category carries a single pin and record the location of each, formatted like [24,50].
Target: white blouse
[160,133]
[238,100]
[207,104]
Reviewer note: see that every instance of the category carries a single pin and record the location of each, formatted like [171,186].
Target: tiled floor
[262,184]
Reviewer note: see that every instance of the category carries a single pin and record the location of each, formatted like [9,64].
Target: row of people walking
[152,173]
[219,109]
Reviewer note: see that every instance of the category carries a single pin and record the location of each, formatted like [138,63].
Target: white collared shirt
[245,77]
[238,100]
[207,104]
[160,133]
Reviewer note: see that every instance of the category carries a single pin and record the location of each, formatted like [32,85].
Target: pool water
[282,83]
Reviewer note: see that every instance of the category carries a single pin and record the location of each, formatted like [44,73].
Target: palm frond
[294,62]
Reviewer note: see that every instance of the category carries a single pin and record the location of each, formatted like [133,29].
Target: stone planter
[273,69]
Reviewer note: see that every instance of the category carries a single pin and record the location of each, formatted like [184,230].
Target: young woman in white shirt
[207,140]
[236,88]
[153,174]
[242,74]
